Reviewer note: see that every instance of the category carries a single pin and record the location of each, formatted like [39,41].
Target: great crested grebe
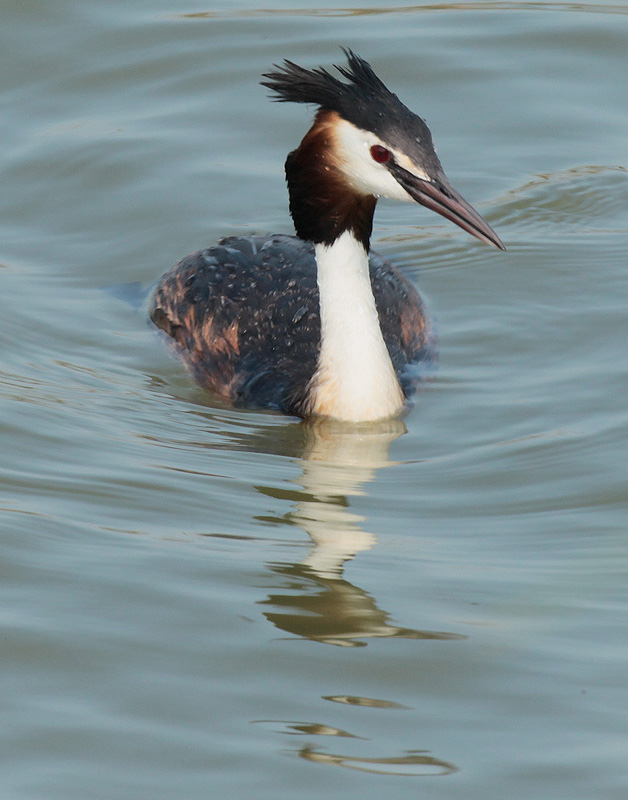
[316,324]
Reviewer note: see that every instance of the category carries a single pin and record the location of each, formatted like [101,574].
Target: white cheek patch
[354,160]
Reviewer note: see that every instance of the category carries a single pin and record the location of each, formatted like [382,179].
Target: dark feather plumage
[264,355]
[295,84]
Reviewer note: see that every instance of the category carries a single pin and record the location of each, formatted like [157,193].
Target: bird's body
[264,355]
[317,324]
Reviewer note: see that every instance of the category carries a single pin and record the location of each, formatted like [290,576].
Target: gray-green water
[199,602]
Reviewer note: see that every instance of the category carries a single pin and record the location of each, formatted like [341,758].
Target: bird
[317,325]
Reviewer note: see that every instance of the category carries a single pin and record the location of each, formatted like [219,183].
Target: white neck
[355,379]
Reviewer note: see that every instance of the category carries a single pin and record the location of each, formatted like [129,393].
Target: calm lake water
[199,602]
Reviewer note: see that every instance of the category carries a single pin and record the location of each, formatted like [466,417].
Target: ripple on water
[587,197]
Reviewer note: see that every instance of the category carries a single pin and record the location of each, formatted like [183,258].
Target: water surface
[200,602]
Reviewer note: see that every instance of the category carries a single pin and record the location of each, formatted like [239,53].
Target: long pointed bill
[440,196]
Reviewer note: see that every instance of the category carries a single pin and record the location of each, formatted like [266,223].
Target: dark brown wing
[245,317]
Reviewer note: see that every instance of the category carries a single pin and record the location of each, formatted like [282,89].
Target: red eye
[380,154]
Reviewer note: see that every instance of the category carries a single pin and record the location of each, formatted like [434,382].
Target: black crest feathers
[294,84]
[363,100]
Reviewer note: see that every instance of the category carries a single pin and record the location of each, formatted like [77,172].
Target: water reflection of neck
[339,460]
